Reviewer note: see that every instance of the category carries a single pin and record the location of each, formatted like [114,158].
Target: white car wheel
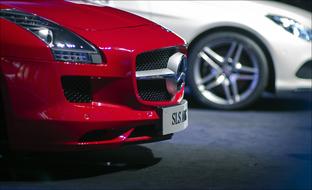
[227,70]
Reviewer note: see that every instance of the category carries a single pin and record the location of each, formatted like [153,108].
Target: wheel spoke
[245,69]
[210,62]
[207,78]
[226,88]
[219,80]
[214,55]
[237,54]
[212,85]
[230,52]
[245,77]
[234,88]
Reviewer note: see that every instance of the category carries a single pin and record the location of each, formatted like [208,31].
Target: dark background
[304,4]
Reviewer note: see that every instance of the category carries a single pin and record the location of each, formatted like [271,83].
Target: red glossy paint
[38,116]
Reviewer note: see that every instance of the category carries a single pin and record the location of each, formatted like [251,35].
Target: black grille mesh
[157,59]
[153,90]
[77,89]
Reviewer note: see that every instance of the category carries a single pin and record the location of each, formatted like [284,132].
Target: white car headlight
[292,26]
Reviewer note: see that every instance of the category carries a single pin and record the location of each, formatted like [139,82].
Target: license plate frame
[174,118]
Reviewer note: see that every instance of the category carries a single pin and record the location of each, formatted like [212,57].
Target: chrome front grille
[151,86]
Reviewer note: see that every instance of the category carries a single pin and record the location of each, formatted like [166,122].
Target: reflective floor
[265,147]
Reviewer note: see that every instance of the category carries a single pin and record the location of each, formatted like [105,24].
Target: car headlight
[292,26]
[65,45]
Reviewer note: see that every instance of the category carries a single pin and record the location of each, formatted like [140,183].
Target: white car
[237,49]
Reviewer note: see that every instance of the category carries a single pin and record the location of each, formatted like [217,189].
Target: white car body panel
[189,19]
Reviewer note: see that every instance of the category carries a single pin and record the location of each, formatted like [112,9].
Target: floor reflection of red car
[77,77]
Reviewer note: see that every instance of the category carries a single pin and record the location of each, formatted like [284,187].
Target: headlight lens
[292,26]
[65,45]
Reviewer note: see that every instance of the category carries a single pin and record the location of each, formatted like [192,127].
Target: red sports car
[79,77]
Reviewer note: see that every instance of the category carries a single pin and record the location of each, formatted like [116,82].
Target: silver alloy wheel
[226,72]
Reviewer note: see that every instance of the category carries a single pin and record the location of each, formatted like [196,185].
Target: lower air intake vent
[153,90]
[102,135]
[77,89]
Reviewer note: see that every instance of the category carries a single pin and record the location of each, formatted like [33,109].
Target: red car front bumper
[40,118]
[78,127]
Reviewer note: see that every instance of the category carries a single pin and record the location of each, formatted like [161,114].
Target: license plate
[175,118]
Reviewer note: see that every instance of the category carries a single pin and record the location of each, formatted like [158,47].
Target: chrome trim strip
[155,74]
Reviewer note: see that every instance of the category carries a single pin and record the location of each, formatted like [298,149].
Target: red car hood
[72,15]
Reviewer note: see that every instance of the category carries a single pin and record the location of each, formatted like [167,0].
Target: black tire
[250,46]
